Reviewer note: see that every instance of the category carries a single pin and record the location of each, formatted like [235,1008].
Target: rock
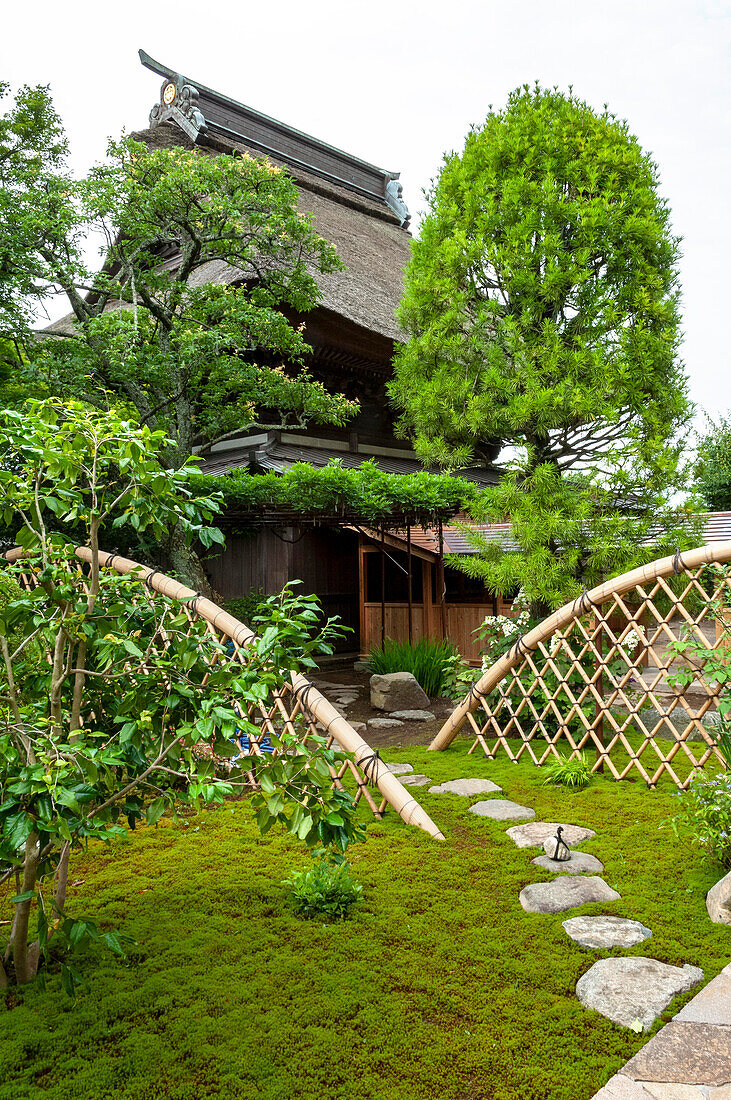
[337,689]
[502,809]
[413,715]
[634,991]
[359,727]
[361,666]
[718,901]
[416,780]
[346,700]
[565,892]
[384,723]
[397,691]
[556,847]
[399,769]
[537,832]
[581,863]
[466,786]
[596,932]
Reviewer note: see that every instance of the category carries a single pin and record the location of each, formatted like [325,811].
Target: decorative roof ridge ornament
[179,104]
[394,198]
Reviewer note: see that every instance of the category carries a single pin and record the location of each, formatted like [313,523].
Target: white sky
[400,83]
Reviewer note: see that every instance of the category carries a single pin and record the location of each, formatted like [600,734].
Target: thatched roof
[368,239]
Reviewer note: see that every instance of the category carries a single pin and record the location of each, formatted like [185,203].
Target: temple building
[379,582]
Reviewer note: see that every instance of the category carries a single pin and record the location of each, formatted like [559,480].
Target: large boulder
[397,691]
[718,901]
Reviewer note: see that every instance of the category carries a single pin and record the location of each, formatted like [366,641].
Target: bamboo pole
[645,574]
[310,699]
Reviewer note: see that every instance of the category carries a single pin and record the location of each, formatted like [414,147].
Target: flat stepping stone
[413,715]
[634,992]
[580,863]
[537,833]
[384,723]
[565,892]
[359,727]
[416,780]
[605,931]
[466,786]
[501,809]
[399,769]
[346,700]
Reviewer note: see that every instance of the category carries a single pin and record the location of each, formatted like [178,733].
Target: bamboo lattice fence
[297,705]
[594,676]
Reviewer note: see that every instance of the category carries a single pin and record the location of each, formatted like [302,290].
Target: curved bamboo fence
[297,705]
[535,698]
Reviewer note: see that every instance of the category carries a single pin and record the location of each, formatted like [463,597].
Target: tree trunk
[183,562]
[25,961]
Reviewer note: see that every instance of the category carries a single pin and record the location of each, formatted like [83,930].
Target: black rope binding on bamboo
[679,565]
[370,762]
[520,649]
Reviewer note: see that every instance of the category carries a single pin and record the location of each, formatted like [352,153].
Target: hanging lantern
[556,847]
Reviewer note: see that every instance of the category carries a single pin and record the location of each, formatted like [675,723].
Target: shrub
[573,772]
[244,608]
[704,817]
[431,662]
[325,890]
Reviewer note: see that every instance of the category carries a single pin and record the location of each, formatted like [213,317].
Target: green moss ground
[439,987]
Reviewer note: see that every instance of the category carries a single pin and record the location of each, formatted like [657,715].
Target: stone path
[688,1059]
[630,991]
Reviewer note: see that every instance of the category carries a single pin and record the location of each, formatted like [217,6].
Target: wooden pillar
[408,581]
[365,641]
[441,583]
[383,586]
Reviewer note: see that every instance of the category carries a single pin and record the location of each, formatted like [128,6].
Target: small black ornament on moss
[556,847]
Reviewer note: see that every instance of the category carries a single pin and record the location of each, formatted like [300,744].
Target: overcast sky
[399,83]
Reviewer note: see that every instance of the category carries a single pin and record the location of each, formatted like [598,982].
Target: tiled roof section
[717,528]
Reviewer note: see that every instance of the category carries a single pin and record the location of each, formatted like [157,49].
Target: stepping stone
[359,727]
[399,769]
[501,809]
[466,786]
[416,780]
[598,932]
[413,715]
[633,992]
[536,833]
[565,892]
[384,723]
[712,1005]
[580,863]
[346,700]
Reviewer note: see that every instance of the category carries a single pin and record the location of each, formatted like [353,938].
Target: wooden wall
[326,560]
